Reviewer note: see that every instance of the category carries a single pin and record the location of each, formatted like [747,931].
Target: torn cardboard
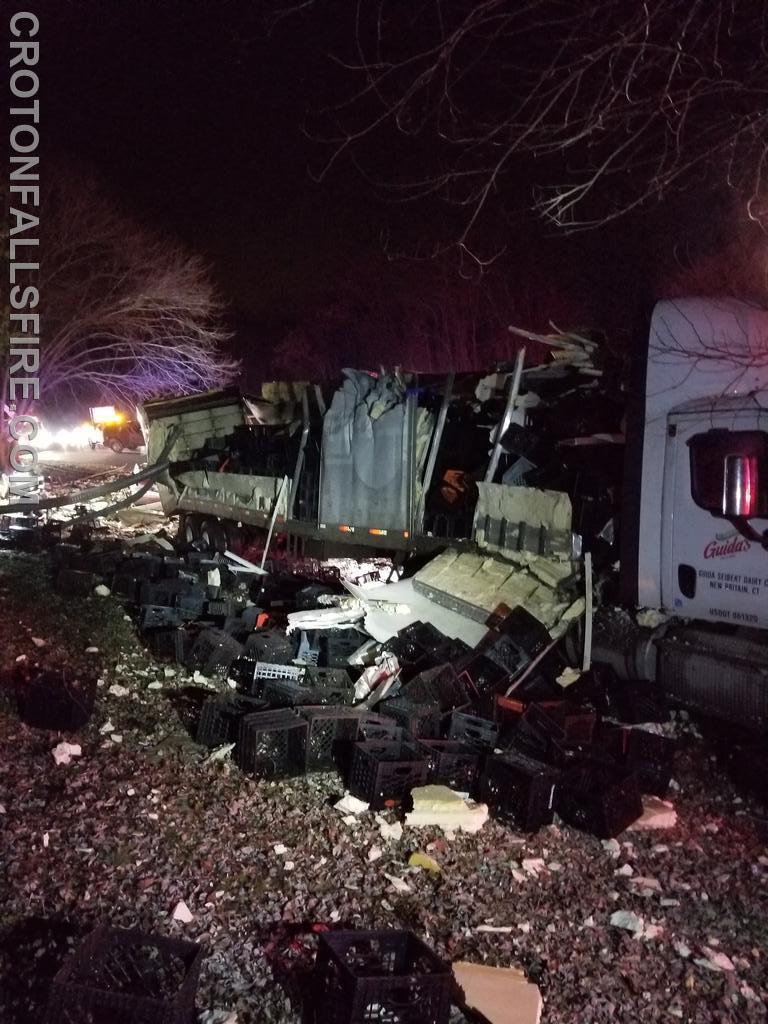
[501,995]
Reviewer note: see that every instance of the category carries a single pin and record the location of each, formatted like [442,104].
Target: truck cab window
[729,472]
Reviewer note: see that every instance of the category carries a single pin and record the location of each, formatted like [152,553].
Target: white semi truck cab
[696,505]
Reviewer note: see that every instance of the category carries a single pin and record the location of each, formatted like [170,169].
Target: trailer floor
[129,829]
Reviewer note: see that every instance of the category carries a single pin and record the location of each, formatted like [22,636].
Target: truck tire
[189,528]
[114,444]
[212,534]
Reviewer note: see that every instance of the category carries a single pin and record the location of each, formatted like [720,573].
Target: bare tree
[734,264]
[611,103]
[422,316]
[126,313]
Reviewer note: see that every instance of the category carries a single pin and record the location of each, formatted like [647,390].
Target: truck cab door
[714,565]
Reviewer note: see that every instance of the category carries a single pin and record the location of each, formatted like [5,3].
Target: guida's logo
[726,545]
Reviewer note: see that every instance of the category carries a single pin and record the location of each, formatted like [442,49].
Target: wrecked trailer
[393,461]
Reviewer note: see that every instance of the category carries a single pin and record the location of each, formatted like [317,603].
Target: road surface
[96,460]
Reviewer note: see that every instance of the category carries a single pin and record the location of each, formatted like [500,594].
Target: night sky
[194,119]
[193,116]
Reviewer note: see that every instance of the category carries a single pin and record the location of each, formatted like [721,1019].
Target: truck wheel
[213,536]
[189,529]
[114,444]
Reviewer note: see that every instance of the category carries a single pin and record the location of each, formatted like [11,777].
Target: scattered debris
[629,921]
[502,995]
[422,860]
[657,814]
[64,752]
[398,884]
[221,753]
[438,805]
[715,961]
[350,804]
[182,913]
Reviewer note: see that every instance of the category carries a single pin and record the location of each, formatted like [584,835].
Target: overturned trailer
[528,466]
[389,461]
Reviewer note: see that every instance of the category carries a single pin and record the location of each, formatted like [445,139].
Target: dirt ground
[143,820]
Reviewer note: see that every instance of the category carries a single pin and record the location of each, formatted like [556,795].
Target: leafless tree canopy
[125,312]
[612,102]
[424,317]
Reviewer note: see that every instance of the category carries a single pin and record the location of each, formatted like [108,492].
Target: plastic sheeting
[368,455]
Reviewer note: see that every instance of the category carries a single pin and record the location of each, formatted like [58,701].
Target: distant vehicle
[119,431]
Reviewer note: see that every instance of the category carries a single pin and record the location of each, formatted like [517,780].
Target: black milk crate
[648,754]
[75,582]
[126,585]
[250,615]
[332,733]
[144,565]
[243,671]
[635,703]
[83,561]
[222,609]
[579,724]
[540,733]
[220,718]
[64,554]
[418,721]
[234,625]
[171,567]
[213,652]
[528,634]
[425,635]
[412,646]
[450,763]
[270,645]
[191,601]
[384,773]
[520,790]
[440,685]
[49,698]
[334,683]
[272,744]
[504,652]
[152,616]
[169,643]
[127,977]
[385,977]
[163,592]
[201,562]
[288,693]
[379,727]
[483,679]
[451,651]
[598,799]
[107,562]
[478,733]
[336,646]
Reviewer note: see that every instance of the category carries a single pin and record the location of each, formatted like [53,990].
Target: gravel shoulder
[130,828]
